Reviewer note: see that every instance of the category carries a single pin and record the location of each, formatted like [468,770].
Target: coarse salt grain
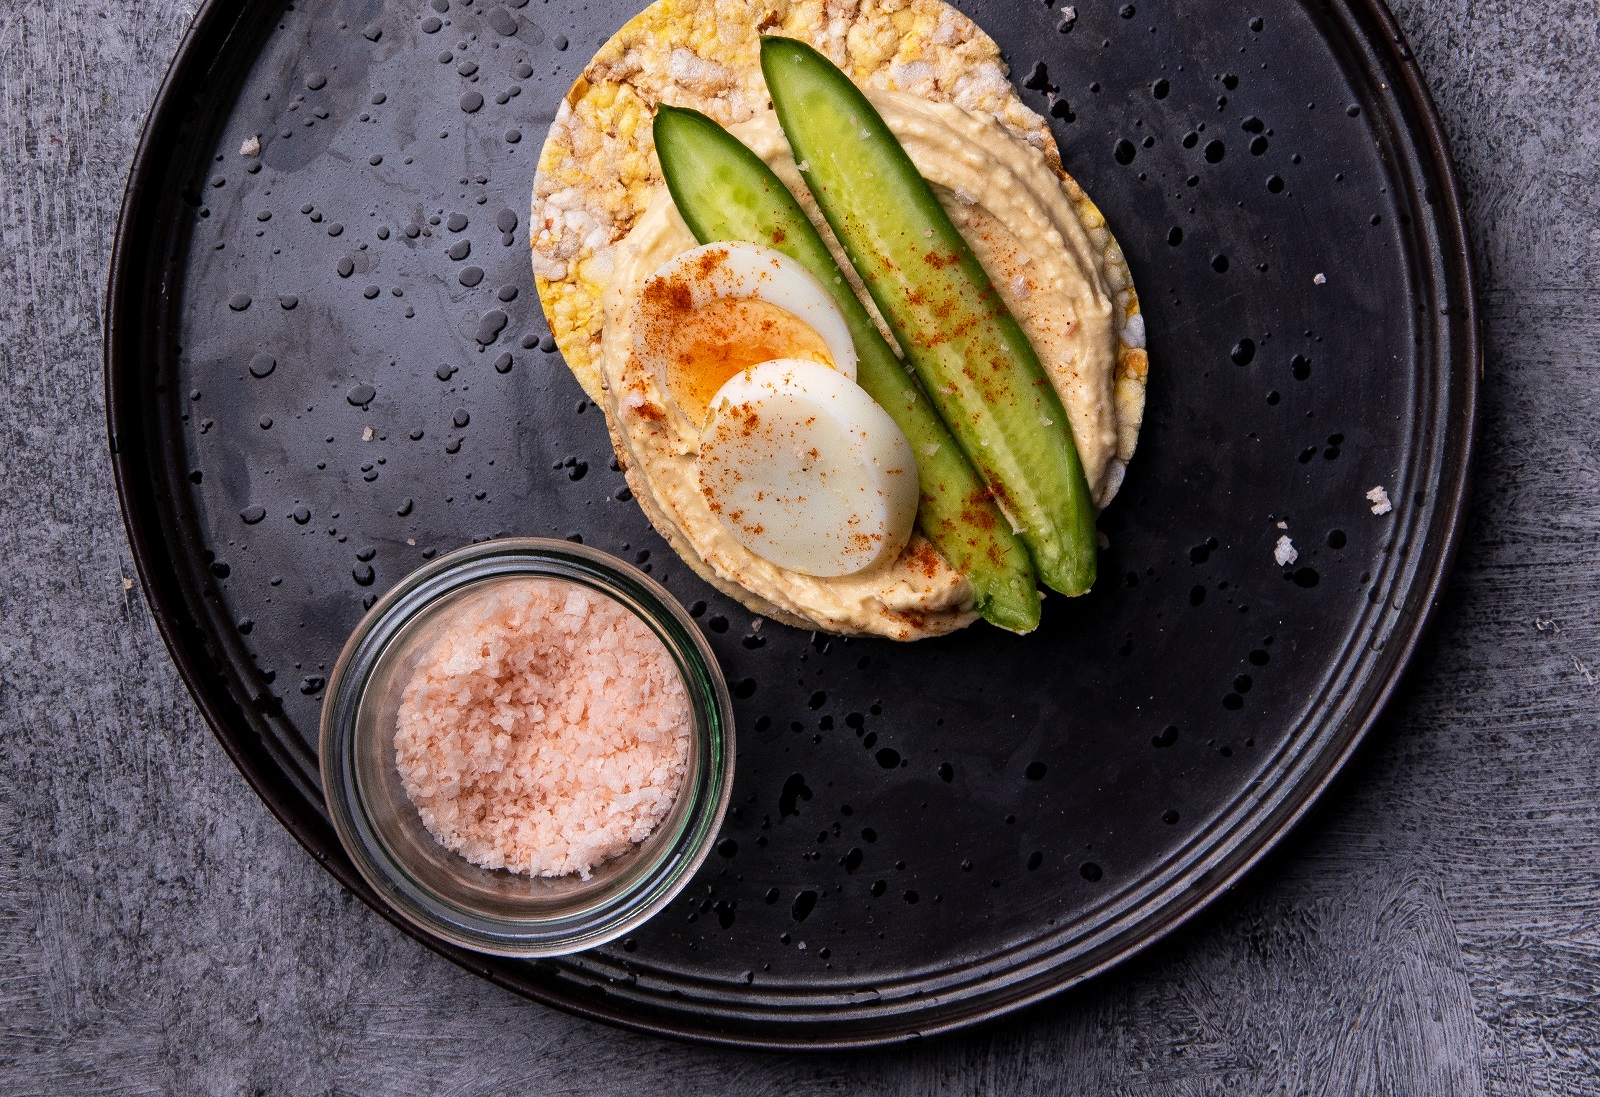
[1379,498]
[545,730]
[1284,552]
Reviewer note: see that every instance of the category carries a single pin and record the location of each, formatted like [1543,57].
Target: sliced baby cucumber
[724,191]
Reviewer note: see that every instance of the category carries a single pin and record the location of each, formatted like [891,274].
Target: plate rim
[1369,22]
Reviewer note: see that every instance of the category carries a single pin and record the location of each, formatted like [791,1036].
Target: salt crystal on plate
[1380,500]
[1285,552]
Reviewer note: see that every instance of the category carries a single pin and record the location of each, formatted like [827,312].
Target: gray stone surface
[1433,930]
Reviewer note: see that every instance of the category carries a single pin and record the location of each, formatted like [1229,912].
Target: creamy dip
[1013,211]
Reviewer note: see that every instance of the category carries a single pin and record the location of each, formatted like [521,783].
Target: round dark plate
[308,395]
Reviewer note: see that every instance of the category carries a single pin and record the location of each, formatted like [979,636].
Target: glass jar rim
[689,830]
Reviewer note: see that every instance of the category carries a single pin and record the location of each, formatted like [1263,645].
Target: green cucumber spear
[971,355]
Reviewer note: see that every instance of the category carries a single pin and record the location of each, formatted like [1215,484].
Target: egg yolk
[727,335]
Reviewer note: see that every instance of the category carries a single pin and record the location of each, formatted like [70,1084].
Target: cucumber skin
[970,353]
[736,196]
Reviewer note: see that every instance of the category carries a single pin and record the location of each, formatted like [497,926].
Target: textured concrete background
[1432,931]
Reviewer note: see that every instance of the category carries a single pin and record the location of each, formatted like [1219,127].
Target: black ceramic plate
[310,392]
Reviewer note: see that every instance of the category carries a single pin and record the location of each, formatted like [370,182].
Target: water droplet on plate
[794,790]
[489,328]
[502,22]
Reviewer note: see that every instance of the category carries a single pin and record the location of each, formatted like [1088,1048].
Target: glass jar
[439,891]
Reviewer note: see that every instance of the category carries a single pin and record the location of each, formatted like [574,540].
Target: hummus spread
[1013,210]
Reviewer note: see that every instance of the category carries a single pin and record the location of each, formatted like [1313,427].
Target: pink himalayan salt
[545,731]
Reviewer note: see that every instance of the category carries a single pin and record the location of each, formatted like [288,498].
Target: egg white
[805,470]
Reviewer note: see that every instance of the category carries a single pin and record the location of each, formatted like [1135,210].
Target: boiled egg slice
[711,312]
[805,470]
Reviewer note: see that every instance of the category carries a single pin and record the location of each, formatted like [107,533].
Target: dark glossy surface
[1033,761]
